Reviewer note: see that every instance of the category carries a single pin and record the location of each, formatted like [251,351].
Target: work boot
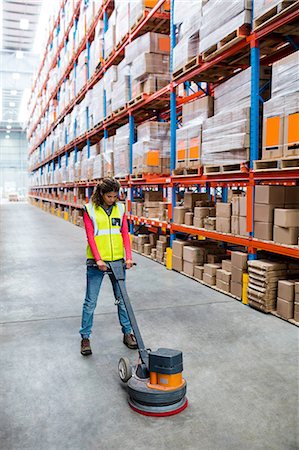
[130,341]
[85,347]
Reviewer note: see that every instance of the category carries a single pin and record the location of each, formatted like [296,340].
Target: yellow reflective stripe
[92,215]
[107,232]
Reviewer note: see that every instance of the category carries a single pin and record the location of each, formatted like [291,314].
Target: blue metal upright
[255,98]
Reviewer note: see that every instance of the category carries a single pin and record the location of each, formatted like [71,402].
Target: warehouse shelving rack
[250,51]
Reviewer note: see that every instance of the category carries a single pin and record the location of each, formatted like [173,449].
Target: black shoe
[85,347]
[130,341]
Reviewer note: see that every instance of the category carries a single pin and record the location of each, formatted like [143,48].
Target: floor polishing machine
[155,384]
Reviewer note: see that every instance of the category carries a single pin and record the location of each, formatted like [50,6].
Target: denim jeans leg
[94,278]
[122,312]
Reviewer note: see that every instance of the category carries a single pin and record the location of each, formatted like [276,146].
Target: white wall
[13,163]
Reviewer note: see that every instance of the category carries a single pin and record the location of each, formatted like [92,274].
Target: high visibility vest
[107,231]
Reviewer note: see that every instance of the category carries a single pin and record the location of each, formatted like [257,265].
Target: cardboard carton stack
[286,226]
[209,274]
[191,199]
[267,198]
[161,246]
[223,276]
[238,219]
[286,298]
[238,268]
[263,281]
[223,217]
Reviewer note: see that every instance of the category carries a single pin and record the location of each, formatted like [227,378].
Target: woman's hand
[129,263]
[101,265]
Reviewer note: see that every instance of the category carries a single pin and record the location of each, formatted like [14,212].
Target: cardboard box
[201,212]
[243,226]
[147,249]
[193,254]
[270,194]
[296,311]
[296,287]
[153,239]
[291,195]
[139,209]
[235,229]
[189,218]
[223,224]
[198,223]
[286,217]
[178,247]
[263,230]
[210,223]
[243,206]
[179,214]
[143,239]
[287,236]
[209,279]
[223,275]
[190,198]
[211,269]
[177,263]
[140,248]
[222,285]
[235,206]
[239,260]
[227,265]
[224,210]
[236,289]
[264,212]
[198,272]
[285,309]
[237,275]
[161,246]
[163,238]
[214,259]
[153,196]
[188,268]
[212,211]
[286,290]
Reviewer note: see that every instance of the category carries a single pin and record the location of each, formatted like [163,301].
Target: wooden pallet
[135,100]
[118,111]
[122,41]
[267,164]
[192,64]
[272,14]
[158,25]
[292,321]
[227,42]
[187,171]
[289,163]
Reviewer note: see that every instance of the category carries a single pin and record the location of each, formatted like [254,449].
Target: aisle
[241,365]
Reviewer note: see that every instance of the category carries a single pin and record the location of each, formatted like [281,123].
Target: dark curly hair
[105,186]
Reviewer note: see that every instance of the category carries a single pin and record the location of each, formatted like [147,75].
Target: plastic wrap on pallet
[151,157]
[149,63]
[107,152]
[122,23]
[263,6]
[109,38]
[138,7]
[285,75]
[147,43]
[96,48]
[121,92]
[122,136]
[189,140]
[187,16]
[121,160]
[151,84]
[199,109]
[151,131]
[98,167]
[185,50]
[216,27]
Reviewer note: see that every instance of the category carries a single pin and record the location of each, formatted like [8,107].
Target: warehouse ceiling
[19,24]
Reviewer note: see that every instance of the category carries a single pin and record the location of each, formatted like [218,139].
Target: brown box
[210,223]
[236,289]
[263,230]
[177,263]
[239,260]
[291,195]
[296,311]
[285,309]
[286,290]
[227,265]
[223,224]
[188,268]
[214,259]
[235,225]
[287,236]
[190,198]
[147,249]
[296,287]
[209,279]
[286,217]
[178,247]
[163,238]
[235,205]
[224,210]
[222,285]
[270,194]
[237,275]
[212,212]
[161,246]
[243,226]
[179,214]
[211,269]
[201,212]
[223,275]
[198,223]
[153,239]
[243,206]
[264,212]
[193,254]
[140,209]
[140,248]
[189,218]
[198,272]
[142,239]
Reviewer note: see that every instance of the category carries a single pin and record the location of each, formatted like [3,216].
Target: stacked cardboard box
[238,268]
[223,276]
[223,217]
[286,226]
[209,274]
[285,298]
[191,199]
[239,213]
[263,281]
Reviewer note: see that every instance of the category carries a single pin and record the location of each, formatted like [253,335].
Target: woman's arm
[90,236]
[126,238]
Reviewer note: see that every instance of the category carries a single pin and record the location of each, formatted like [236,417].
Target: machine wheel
[124,369]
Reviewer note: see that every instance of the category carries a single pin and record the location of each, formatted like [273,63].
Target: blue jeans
[94,280]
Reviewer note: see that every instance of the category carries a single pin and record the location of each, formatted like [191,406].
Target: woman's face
[110,198]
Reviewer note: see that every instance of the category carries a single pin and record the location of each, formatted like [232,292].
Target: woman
[108,240]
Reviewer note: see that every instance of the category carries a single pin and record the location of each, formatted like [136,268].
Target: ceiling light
[12,104]
[16,76]
[24,24]
[19,54]
[7,131]
[13,92]
[8,127]
[7,136]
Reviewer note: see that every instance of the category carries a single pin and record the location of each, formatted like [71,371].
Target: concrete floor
[241,366]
